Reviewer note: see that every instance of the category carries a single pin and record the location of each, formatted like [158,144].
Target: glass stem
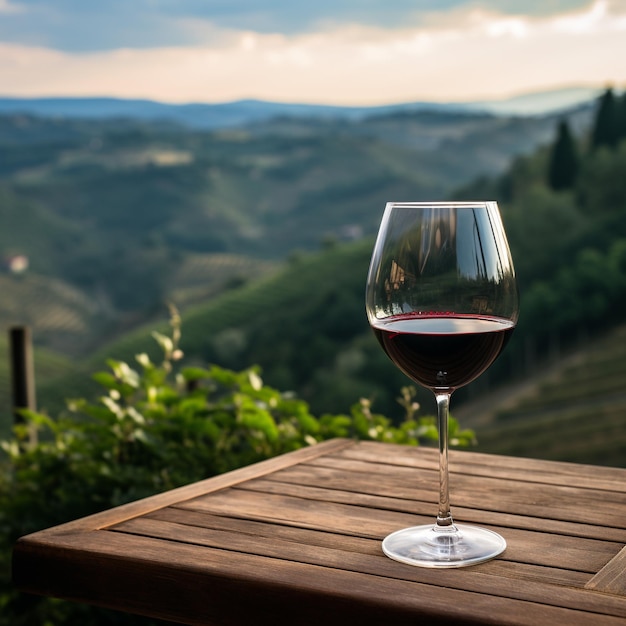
[444,517]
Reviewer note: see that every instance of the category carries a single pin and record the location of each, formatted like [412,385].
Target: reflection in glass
[442,300]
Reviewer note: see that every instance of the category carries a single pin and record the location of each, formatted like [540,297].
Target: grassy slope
[574,410]
[262,297]
[288,293]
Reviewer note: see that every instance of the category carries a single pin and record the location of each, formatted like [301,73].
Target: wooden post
[22,370]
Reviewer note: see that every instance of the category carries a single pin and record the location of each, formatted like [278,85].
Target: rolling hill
[119,210]
[262,236]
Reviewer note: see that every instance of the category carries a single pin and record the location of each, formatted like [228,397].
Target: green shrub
[154,428]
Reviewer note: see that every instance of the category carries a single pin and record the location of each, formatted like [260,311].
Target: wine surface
[441,351]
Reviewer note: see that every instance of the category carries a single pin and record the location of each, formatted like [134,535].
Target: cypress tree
[605,128]
[563,166]
[620,109]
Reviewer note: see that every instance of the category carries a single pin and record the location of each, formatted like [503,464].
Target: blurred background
[234,159]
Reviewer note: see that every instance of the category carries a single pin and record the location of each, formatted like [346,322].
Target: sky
[342,52]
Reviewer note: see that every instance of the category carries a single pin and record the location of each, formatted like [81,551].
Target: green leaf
[124,373]
[106,379]
[144,360]
[166,344]
[255,380]
[113,406]
[195,373]
[192,405]
[260,420]
[223,376]
[308,423]
[39,419]
[135,415]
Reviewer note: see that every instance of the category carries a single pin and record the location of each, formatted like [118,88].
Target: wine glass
[442,300]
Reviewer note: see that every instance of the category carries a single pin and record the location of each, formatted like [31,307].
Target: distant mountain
[207,116]
[242,112]
[541,102]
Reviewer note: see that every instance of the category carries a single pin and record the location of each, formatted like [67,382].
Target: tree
[605,129]
[621,117]
[563,167]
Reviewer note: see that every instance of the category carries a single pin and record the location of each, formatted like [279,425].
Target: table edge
[123,512]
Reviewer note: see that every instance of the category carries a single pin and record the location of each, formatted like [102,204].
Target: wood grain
[199,585]
[525,546]
[481,464]
[612,577]
[427,507]
[298,537]
[494,492]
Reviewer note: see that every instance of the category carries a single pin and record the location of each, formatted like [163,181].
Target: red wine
[443,351]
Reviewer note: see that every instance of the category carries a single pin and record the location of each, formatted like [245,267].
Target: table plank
[299,538]
[540,500]
[482,464]
[558,472]
[612,577]
[524,546]
[199,585]
[427,508]
[269,531]
[351,556]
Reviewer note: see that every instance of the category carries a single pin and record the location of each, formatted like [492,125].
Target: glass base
[450,546]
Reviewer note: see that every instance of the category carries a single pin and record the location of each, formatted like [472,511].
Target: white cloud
[595,17]
[508,27]
[470,54]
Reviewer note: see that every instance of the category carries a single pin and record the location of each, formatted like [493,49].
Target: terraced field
[202,276]
[577,412]
[61,317]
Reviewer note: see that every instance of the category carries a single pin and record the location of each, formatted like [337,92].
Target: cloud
[76,25]
[468,53]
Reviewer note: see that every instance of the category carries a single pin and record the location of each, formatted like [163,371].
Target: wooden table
[296,540]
